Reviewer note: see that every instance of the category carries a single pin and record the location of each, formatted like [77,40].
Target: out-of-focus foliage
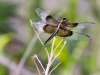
[5,12]
[96,10]
[78,57]
[3,70]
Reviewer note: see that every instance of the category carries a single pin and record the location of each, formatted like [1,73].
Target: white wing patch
[39,25]
[43,14]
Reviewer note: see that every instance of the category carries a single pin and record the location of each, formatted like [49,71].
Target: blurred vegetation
[78,57]
[5,12]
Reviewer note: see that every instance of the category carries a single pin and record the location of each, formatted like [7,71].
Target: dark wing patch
[49,28]
[71,25]
[50,19]
[64,33]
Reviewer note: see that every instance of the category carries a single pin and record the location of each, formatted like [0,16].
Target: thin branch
[40,39]
[51,53]
[54,68]
[35,56]
[49,63]
[33,59]
[50,58]
[48,66]
[58,44]
[53,44]
[58,52]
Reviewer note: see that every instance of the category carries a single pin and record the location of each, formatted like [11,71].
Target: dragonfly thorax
[64,22]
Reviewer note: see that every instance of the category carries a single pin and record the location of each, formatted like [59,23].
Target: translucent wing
[46,17]
[41,13]
[78,36]
[81,30]
[84,25]
[46,20]
[39,25]
[44,27]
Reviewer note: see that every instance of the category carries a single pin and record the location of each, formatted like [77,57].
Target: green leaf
[4,39]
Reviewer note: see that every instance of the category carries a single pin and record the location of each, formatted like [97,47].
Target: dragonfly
[62,28]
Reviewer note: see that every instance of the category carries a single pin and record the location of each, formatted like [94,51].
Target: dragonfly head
[64,21]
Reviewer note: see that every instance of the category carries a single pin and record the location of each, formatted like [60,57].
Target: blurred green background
[18,41]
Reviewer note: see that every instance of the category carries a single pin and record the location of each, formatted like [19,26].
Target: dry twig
[33,59]
[51,57]
[39,38]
